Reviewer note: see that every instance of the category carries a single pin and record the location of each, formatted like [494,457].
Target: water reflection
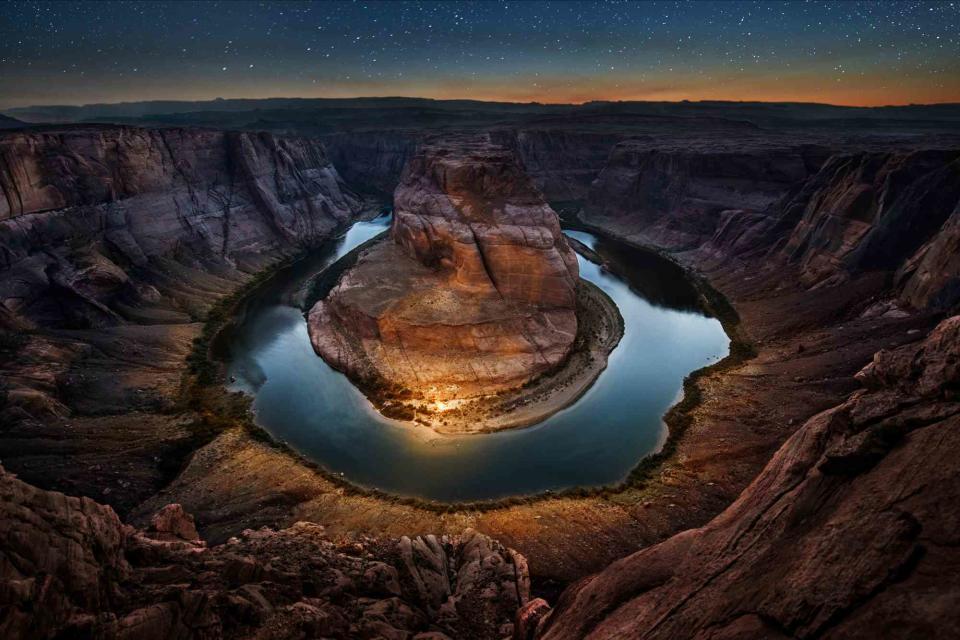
[317,411]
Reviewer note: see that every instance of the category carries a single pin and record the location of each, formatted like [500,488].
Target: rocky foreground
[70,568]
[473,293]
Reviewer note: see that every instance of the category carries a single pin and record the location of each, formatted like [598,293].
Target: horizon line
[529,102]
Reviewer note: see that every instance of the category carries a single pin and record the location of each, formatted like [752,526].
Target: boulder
[172,522]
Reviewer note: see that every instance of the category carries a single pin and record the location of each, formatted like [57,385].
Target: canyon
[808,491]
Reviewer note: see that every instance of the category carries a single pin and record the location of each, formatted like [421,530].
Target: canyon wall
[875,212]
[114,244]
[94,222]
[832,219]
[561,162]
[931,278]
[371,161]
[849,532]
[675,194]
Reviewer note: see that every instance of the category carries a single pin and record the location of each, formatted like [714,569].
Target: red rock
[172,522]
[931,278]
[849,532]
[529,618]
[475,294]
[871,211]
[80,205]
[59,556]
[70,568]
[674,194]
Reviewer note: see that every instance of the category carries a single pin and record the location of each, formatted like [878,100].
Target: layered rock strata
[879,212]
[848,532]
[114,243]
[562,163]
[474,291]
[675,195]
[831,219]
[886,216]
[371,161]
[808,339]
[70,568]
[84,208]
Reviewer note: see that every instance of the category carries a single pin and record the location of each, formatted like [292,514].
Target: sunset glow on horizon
[847,53]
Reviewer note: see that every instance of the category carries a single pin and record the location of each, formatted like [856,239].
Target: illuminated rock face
[472,293]
[468,208]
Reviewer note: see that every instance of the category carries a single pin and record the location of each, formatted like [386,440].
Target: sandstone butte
[474,291]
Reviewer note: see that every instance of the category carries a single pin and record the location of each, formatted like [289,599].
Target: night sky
[864,53]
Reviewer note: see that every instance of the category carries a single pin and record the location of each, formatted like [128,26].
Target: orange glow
[864,90]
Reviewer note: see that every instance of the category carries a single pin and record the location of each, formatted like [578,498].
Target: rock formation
[70,568]
[473,293]
[84,207]
[874,212]
[890,214]
[560,162]
[116,240]
[931,277]
[832,217]
[371,161]
[114,243]
[849,532]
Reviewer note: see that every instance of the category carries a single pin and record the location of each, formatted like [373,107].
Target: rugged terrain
[849,532]
[886,214]
[70,568]
[115,242]
[844,246]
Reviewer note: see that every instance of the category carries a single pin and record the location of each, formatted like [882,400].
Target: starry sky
[852,53]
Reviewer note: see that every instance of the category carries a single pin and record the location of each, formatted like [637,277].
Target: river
[299,399]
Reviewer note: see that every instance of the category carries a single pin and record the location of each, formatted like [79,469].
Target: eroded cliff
[850,530]
[561,162]
[85,208]
[114,243]
[833,220]
[875,212]
[91,410]
[372,161]
[674,194]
